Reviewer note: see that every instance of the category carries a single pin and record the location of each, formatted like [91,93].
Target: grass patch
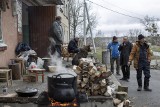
[99,53]
[155,48]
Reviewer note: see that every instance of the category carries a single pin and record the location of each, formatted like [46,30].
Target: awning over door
[49,2]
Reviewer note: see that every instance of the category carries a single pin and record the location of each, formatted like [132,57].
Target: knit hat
[140,37]
[114,38]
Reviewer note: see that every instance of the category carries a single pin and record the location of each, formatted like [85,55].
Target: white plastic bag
[32,65]
[40,63]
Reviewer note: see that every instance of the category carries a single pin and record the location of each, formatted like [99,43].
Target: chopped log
[127,103]
[85,80]
[103,90]
[83,90]
[83,84]
[95,93]
[96,86]
[98,74]
[103,83]
[121,104]
[92,71]
[116,101]
[122,89]
[106,74]
[121,95]
[102,68]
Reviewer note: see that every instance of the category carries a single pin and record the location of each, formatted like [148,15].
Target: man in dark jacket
[57,35]
[125,49]
[73,45]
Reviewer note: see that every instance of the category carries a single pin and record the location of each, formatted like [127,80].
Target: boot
[139,85]
[146,85]
[139,88]
[147,89]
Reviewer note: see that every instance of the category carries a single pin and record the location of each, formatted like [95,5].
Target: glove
[129,63]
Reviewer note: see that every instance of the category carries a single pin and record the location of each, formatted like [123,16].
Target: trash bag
[22,47]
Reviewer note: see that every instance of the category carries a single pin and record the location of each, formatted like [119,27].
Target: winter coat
[72,46]
[134,55]
[113,47]
[57,33]
[125,50]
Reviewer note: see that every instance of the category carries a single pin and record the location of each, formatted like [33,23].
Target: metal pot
[62,87]
[63,92]
[26,92]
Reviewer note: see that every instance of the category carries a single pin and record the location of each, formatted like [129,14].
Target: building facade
[29,21]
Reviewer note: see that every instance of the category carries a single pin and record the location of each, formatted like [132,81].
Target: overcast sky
[109,21]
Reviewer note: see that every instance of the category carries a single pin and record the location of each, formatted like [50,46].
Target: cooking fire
[59,104]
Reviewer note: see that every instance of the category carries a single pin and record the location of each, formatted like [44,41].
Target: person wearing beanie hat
[114,54]
[141,54]
[140,37]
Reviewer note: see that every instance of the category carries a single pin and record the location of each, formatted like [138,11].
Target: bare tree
[133,34]
[76,18]
[151,26]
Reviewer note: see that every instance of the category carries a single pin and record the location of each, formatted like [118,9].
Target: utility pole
[90,28]
[84,27]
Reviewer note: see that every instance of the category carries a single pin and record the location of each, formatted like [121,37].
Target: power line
[115,11]
[122,8]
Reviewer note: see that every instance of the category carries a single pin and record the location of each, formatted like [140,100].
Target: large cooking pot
[26,92]
[63,92]
[62,86]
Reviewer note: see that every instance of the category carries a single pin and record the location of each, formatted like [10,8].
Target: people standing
[125,49]
[57,35]
[141,54]
[114,54]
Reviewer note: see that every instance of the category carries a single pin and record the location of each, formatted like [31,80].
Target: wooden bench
[37,72]
[6,74]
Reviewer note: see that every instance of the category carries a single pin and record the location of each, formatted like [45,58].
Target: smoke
[56,60]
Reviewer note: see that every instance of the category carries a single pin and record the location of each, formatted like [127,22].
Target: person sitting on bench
[73,45]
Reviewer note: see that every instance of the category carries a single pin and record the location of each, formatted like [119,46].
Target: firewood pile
[92,78]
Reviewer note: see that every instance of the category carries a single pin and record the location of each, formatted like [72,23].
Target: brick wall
[10,38]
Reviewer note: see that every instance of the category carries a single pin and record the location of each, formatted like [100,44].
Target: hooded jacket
[113,47]
[57,32]
[134,55]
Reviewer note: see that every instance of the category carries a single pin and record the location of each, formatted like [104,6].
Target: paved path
[144,99]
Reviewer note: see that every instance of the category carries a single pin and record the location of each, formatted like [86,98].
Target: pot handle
[59,75]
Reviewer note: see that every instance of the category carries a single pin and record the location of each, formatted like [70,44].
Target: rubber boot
[139,88]
[139,85]
[146,86]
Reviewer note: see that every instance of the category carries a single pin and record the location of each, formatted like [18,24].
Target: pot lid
[26,90]
[66,74]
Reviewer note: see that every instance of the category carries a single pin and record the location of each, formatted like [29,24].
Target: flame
[59,104]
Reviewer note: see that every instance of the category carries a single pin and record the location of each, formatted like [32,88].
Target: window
[0,27]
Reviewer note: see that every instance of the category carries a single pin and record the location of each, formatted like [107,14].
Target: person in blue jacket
[114,54]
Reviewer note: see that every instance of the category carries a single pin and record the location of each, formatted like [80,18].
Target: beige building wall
[62,10]
[9,34]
